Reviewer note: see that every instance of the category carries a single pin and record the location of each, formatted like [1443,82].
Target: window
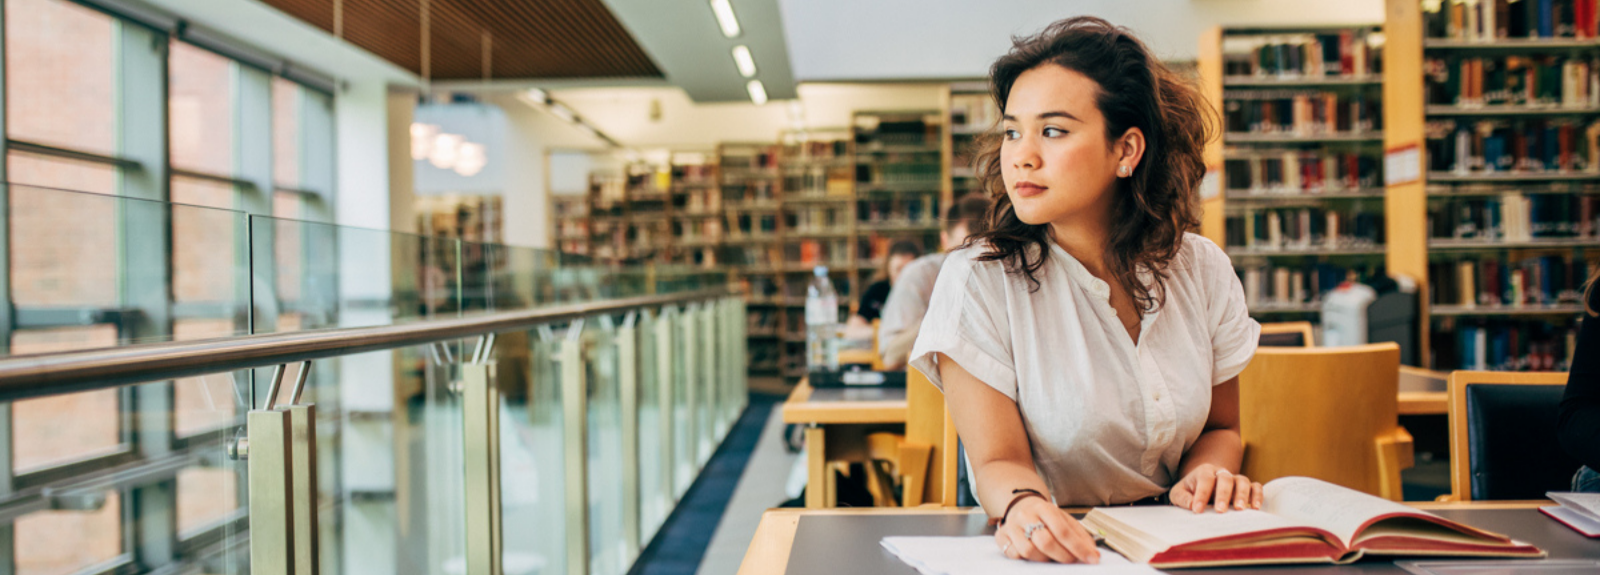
[200,110]
[60,76]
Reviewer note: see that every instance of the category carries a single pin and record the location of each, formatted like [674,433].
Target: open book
[1580,511]
[1301,520]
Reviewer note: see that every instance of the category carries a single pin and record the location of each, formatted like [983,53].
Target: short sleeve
[967,322]
[1234,335]
[908,298]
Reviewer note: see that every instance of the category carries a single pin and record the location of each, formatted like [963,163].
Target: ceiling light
[745,62]
[422,140]
[758,92]
[538,95]
[445,150]
[563,112]
[470,158]
[725,18]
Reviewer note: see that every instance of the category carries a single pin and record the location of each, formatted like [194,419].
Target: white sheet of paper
[1588,503]
[964,555]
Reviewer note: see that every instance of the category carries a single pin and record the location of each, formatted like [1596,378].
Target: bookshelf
[972,114]
[1295,190]
[817,223]
[1502,222]
[902,183]
[569,224]
[750,185]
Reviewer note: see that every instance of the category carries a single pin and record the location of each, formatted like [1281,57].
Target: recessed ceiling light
[745,62]
[563,112]
[725,18]
[758,92]
[538,95]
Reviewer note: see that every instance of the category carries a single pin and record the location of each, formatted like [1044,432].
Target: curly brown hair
[1154,206]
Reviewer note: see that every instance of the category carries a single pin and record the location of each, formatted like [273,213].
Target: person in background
[1088,344]
[1579,425]
[901,254]
[908,297]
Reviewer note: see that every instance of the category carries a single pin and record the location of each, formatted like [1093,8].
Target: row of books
[1504,345]
[1291,229]
[1488,20]
[1265,286]
[1542,280]
[834,253]
[820,150]
[1302,111]
[750,158]
[899,133]
[1544,80]
[1346,53]
[817,218]
[892,172]
[1465,147]
[973,111]
[1516,217]
[1294,171]
[755,224]
[817,181]
[913,209]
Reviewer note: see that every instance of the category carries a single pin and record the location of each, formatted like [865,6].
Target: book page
[979,555]
[1174,526]
[1585,502]
[1337,509]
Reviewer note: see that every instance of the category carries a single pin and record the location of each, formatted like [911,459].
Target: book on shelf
[1490,20]
[1302,112]
[1516,217]
[1529,281]
[1503,344]
[1266,285]
[1300,171]
[1539,81]
[1346,53]
[1305,229]
[1516,146]
[974,110]
[1301,520]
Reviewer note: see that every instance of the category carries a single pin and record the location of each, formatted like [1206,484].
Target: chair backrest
[1317,412]
[928,423]
[1503,442]
[1287,334]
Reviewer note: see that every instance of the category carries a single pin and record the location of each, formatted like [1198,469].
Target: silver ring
[1027,530]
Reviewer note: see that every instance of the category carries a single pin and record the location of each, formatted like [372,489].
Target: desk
[851,413]
[850,538]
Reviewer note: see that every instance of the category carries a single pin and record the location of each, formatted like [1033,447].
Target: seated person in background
[900,255]
[1579,426]
[1089,346]
[908,297]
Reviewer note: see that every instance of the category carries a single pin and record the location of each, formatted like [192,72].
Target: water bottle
[822,323]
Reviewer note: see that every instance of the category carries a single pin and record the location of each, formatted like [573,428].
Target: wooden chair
[1287,334]
[1325,412]
[1525,448]
[927,458]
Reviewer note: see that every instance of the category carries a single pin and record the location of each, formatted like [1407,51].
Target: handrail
[41,375]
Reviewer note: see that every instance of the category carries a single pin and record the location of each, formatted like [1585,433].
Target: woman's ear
[1130,148]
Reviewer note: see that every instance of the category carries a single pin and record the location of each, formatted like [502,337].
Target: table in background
[837,421]
[803,542]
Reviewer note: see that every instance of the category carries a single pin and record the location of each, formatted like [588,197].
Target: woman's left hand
[1208,483]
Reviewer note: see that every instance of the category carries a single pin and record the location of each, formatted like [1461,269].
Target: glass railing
[594,421]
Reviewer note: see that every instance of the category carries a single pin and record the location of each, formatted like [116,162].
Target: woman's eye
[1054,132]
[1012,134]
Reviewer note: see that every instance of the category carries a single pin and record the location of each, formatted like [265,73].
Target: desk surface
[847,540]
[845,405]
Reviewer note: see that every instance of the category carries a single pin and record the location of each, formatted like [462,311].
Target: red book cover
[1347,52]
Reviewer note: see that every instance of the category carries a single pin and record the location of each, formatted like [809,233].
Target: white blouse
[1108,421]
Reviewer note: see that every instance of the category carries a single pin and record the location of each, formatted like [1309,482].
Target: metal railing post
[628,368]
[575,404]
[270,466]
[480,403]
[303,457]
[669,403]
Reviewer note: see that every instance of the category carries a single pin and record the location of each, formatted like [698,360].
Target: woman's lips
[1029,189]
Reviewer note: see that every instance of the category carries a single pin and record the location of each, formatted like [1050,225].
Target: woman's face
[1054,159]
[898,262]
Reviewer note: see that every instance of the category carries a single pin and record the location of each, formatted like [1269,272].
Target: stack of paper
[963,555]
[1580,511]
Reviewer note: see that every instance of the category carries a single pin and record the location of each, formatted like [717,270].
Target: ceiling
[554,39]
[683,38]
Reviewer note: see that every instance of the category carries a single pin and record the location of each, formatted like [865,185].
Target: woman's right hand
[1058,537]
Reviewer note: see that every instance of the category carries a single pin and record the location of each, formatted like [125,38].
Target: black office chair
[1503,443]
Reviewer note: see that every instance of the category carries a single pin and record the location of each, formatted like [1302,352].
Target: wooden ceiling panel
[529,40]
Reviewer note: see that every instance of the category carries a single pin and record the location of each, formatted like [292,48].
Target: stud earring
[1123,171]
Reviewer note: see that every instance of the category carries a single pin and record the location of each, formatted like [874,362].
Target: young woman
[900,254]
[1088,346]
[1579,425]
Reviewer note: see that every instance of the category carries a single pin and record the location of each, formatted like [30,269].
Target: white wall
[943,39]
[530,134]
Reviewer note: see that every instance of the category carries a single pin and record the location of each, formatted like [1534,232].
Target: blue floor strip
[681,543]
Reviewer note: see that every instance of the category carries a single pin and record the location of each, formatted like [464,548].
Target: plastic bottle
[822,323]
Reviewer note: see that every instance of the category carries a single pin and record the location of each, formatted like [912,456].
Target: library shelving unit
[750,184]
[569,223]
[1298,200]
[695,210]
[817,225]
[1501,101]
[972,114]
[901,181]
